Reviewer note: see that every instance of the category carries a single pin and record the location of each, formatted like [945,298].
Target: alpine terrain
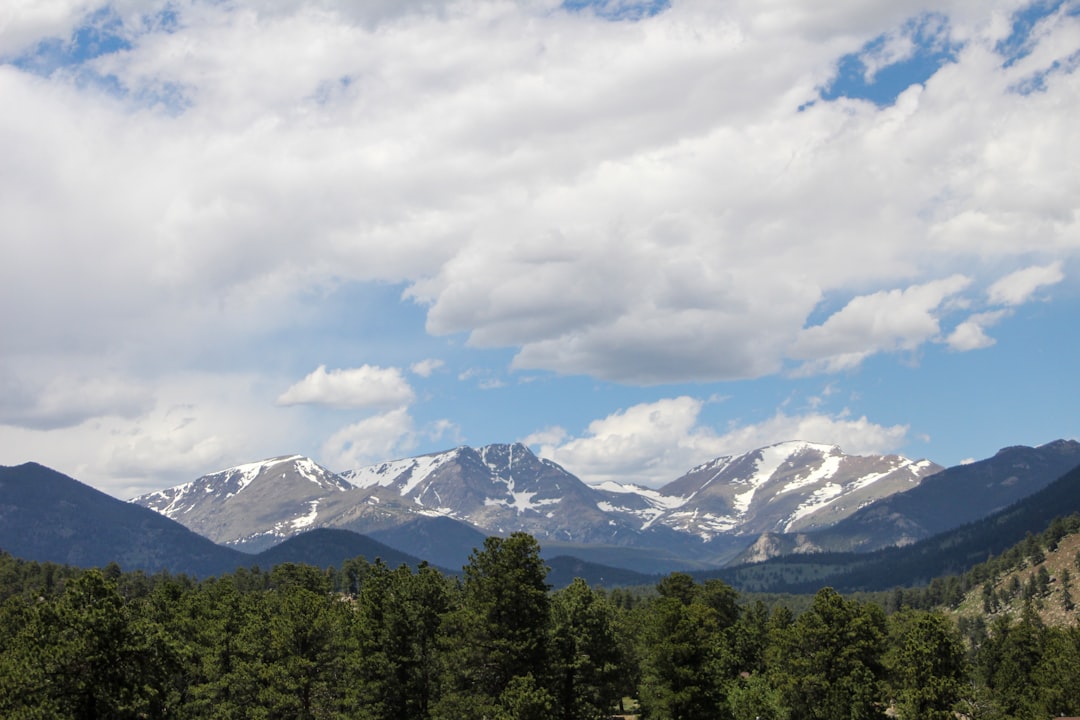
[704,517]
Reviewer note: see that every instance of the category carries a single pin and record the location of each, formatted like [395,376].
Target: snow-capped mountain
[709,513]
[788,487]
[505,488]
[272,498]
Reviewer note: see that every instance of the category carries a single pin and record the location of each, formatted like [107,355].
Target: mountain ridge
[946,553]
[707,515]
[39,507]
[955,496]
[47,516]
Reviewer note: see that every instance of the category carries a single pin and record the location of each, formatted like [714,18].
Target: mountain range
[288,509]
[945,500]
[701,519]
[49,517]
[948,553]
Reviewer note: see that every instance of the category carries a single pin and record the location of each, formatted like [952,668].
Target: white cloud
[649,444]
[856,436]
[195,423]
[424,368]
[373,439]
[584,191]
[364,387]
[621,199]
[24,22]
[548,436]
[484,378]
[971,334]
[1017,288]
[654,443]
[900,44]
[885,321]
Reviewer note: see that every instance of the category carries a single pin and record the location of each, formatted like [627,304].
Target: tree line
[372,642]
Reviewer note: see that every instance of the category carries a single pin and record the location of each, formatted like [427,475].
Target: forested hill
[368,641]
[48,516]
[326,547]
[950,553]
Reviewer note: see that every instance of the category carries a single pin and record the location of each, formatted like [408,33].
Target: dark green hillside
[564,569]
[441,541]
[951,498]
[330,547]
[654,561]
[48,516]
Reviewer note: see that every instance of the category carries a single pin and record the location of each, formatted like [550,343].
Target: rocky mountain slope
[793,486]
[947,553]
[46,516]
[945,500]
[258,503]
[707,515]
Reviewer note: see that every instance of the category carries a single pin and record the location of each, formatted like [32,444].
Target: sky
[635,235]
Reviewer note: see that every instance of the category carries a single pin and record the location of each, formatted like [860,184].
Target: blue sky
[635,235]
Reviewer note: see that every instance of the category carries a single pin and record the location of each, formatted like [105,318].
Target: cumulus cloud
[885,321]
[856,436]
[651,218]
[192,424]
[23,23]
[367,386]
[199,423]
[649,444]
[1017,288]
[616,199]
[971,334]
[583,190]
[654,443]
[373,439]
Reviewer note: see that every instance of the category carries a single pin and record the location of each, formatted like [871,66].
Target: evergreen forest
[372,642]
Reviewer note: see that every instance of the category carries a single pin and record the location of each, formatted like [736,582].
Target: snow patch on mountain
[870,479]
[819,499]
[828,468]
[654,497]
[244,474]
[521,502]
[769,461]
[405,474]
[309,519]
[704,525]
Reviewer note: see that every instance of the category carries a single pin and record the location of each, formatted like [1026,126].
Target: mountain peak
[796,446]
[504,487]
[290,487]
[787,486]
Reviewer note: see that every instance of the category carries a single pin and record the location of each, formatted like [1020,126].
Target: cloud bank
[654,443]
[604,191]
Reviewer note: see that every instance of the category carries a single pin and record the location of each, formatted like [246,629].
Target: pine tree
[830,661]
[927,665]
[498,632]
[686,658]
[82,656]
[585,655]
